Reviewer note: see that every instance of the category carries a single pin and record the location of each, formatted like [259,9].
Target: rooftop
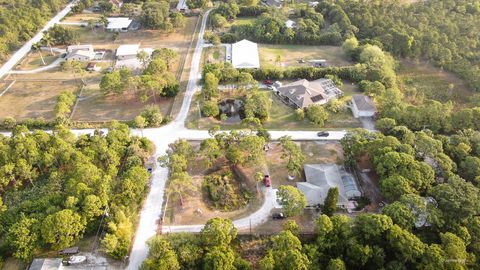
[46,264]
[245,54]
[363,102]
[118,22]
[128,49]
[304,93]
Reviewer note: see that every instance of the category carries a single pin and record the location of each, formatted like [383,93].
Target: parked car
[266,179]
[149,170]
[229,57]
[267,82]
[323,134]
[278,216]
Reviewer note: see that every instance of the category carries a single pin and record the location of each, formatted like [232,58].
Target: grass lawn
[420,81]
[33,99]
[243,21]
[33,60]
[82,17]
[291,54]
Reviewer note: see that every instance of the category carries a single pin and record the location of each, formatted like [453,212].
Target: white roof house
[182,5]
[118,24]
[127,56]
[245,54]
[320,178]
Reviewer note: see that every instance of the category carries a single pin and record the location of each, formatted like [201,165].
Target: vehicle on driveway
[267,82]
[323,134]
[266,179]
[278,216]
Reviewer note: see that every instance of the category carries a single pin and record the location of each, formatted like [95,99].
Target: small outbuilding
[182,6]
[127,56]
[320,178]
[245,54]
[362,106]
[46,264]
[118,24]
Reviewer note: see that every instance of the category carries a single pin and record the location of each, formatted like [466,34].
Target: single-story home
[182,6]
[46,264]
[118,24]
[362,106]
[320,178]
[245,54]
[127,56]
[290,24]
[303,93]
[80,53]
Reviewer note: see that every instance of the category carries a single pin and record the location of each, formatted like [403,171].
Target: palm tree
[48,40]
[37,48]
[181,184]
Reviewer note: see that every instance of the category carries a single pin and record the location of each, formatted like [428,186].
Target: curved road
[18,55]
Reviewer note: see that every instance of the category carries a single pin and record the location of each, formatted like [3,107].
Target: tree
[400,215]
[140,123]
[257,105]
[394,187]
[330,204]
[470,169]
[167,55]
[371,228]
[210,150]
[48,40]
[143,57]
[37,48]
[218,232]
[218,21]
[299,114]
[294,155]
[317,114]
[286,253]
[292,200]
[23,238]
[152,116]
[210,108]
[155,15]
[292,226]
[350,46]
[454,247]
[181,184]
[336,264]
[112,83]
[193,4]
[210,87]
[161,256]
[177,19]
[62,228]
[219,257]
[406,245]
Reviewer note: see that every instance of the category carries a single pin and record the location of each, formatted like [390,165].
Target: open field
[243,21]
[33,99]
[82,17]
[420,81]
[291,54]
[282,117]
[213,55]
[33,60]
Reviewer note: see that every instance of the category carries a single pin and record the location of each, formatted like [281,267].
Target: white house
[182,6]
[127,56]
[320,178]
[362,106]
[245,54]
[80,53]
[118,24]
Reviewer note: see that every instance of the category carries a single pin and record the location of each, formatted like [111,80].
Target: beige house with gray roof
[362,106]
[303,93]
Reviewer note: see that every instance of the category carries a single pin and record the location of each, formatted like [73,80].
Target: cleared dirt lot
[291,54]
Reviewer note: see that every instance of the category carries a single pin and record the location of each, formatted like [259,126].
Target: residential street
[22,52]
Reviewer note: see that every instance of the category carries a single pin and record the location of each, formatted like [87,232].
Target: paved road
[18,55]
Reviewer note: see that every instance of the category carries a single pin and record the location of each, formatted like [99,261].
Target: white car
[76,259]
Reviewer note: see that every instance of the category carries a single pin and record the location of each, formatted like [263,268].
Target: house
[273,3]
[80,53]
[118,24]
[127,56]
[303,93]
[245,54]
[182,6]
[362,106]
[46,264]
[320,178]
[313,4]
[290,24]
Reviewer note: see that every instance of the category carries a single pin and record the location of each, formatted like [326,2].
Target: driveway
[54,64]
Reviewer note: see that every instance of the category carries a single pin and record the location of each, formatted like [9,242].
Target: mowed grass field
[421,81]
[289,55]
[26,99]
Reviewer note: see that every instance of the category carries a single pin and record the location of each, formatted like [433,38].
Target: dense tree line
[445,32]
[57,187]
[20,20]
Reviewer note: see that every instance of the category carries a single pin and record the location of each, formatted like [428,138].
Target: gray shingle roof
[363,103]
